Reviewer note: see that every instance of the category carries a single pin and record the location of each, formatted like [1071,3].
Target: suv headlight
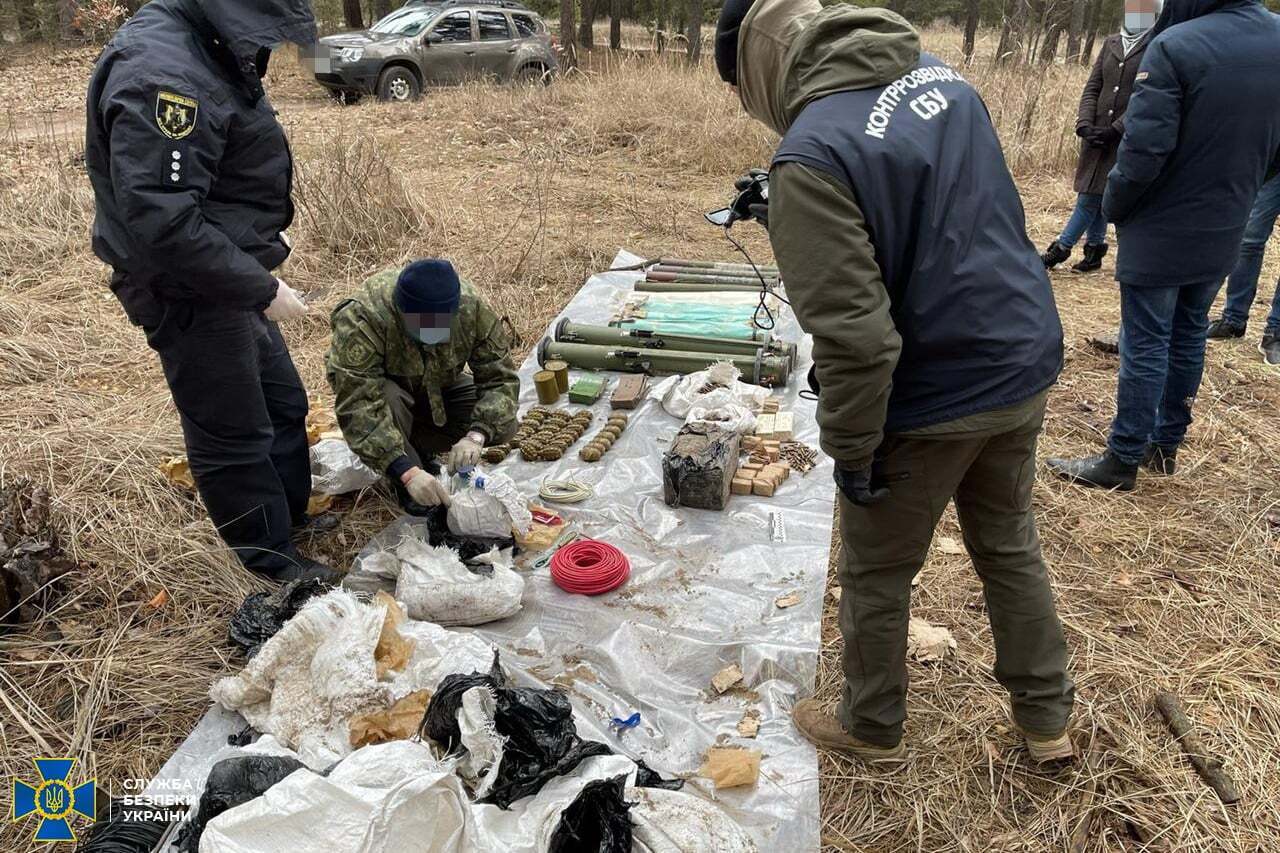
[350,54]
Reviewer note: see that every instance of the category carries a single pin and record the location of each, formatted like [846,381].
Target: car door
[497,49]
[448,50]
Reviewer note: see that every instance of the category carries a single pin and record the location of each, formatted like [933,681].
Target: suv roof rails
[502,4]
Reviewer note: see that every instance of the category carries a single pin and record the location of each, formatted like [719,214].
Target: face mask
[1138,21]
[427,328]
[433,336]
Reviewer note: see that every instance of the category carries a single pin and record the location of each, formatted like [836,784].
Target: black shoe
[1092,258]
[1270,349]
[315,525]
[1161,460]
[305,568]
[1054,255]
[1223,328]
[1103,471]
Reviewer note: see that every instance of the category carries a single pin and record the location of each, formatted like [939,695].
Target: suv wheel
[533,75]
[398,84]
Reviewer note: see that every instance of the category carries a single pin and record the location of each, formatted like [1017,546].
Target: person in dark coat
[1100,125]
[1242,285]
[1201,136]
[191,176]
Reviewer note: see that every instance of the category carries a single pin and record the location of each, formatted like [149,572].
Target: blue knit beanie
[428,286]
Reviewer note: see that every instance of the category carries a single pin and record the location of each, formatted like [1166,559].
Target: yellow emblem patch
[175,114]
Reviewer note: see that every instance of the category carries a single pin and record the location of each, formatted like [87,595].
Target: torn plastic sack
[676,822]
[124,829]
[387,798]
[718,385]
[434,585]
[264,613]
[540,738]
[529,825]
[731,416]
[336,469]
[596,821]
[488,506]
[233,782]
[433,528]
[321,669]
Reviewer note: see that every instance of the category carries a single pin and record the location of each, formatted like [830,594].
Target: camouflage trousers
[423,439]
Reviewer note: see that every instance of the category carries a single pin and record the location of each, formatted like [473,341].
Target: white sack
[434,585]
[489,506]
[679,394]
[318,671]
[386,798]
[730,416]
[681,822]
[336,470]
[479,764]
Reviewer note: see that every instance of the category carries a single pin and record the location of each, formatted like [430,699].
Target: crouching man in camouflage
[396,363]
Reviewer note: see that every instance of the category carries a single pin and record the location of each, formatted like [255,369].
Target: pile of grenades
[543,435]
[604,439]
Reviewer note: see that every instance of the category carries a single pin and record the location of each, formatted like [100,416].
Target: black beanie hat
[731,16]
[429,286]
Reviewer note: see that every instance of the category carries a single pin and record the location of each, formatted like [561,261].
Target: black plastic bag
[124,829]
[468,547]
[647,777]
[233,782]
[264,613]
[596,821]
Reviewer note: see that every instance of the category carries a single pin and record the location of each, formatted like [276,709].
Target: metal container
[544,381]
[561,370]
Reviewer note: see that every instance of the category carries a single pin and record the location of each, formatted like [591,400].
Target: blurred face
[427,328]
[1140,14]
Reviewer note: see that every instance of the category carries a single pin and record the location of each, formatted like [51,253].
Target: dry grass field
[529,191]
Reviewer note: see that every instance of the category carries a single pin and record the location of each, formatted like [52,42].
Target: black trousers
[243,412]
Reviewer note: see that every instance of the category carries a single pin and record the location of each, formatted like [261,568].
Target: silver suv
[437,44]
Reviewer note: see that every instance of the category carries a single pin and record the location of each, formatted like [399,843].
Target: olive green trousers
[990,475]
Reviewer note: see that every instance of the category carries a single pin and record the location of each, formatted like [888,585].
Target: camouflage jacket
[370,346]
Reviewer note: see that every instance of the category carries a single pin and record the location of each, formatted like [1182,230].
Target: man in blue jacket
[1201,136]
[191,177]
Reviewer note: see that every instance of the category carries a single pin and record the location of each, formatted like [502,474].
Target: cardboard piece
[731,767]
[630,391]
[393,650]
[726,678]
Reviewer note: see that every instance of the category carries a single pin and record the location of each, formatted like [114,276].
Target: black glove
[857,487]
[1083,131]
[1108,135]
[760,213]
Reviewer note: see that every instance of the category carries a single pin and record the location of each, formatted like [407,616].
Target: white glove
[426,489]
[287,305]
[466,453]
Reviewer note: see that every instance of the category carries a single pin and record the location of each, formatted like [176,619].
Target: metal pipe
[716,265]
[687,278]
[693,287]
[567,331]
[760,369]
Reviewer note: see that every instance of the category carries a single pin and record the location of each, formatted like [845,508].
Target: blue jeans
[1162,337]
[1087,216]
[1242,286]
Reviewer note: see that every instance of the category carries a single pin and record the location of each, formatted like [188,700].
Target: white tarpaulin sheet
[701,596]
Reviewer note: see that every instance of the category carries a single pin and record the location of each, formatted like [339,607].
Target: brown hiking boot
[1049,749]
[818,723]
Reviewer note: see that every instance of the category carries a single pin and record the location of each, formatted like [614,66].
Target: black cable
[764,289]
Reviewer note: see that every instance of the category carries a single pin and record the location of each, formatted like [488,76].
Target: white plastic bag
[336,470]
[479,764]
[386,798]
[717,385]
[731,416]
[489,506]
[433,584]
[681,822]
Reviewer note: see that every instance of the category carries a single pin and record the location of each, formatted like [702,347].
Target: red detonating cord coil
[589,567]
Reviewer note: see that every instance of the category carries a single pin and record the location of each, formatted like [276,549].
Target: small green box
[586,390]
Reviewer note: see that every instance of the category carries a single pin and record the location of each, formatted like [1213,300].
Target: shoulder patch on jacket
[1141,75]
[176,114]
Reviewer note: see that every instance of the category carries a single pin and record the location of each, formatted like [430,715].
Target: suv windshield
[408,21]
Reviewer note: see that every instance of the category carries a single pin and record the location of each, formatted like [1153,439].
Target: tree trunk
[1075,29]
[1095,21]
[381,8]
[693,30]
[587,27]
[352,14]
[68,28]
[615,24]
[971,21]
[660,26]
[1057,18]
[568,40]
[1013,32]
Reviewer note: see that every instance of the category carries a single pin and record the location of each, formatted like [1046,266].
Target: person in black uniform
[192,174]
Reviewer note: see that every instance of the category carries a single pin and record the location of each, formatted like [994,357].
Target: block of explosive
[586,390]
[739,486]
[765,426]
[629,391]
[783,425]
[770,406]
[699,466]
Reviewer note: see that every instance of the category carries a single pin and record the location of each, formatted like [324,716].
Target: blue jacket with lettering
[1201,135]
[968,294]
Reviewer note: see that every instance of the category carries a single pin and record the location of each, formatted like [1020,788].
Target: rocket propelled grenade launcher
[762,368]
[567,331]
